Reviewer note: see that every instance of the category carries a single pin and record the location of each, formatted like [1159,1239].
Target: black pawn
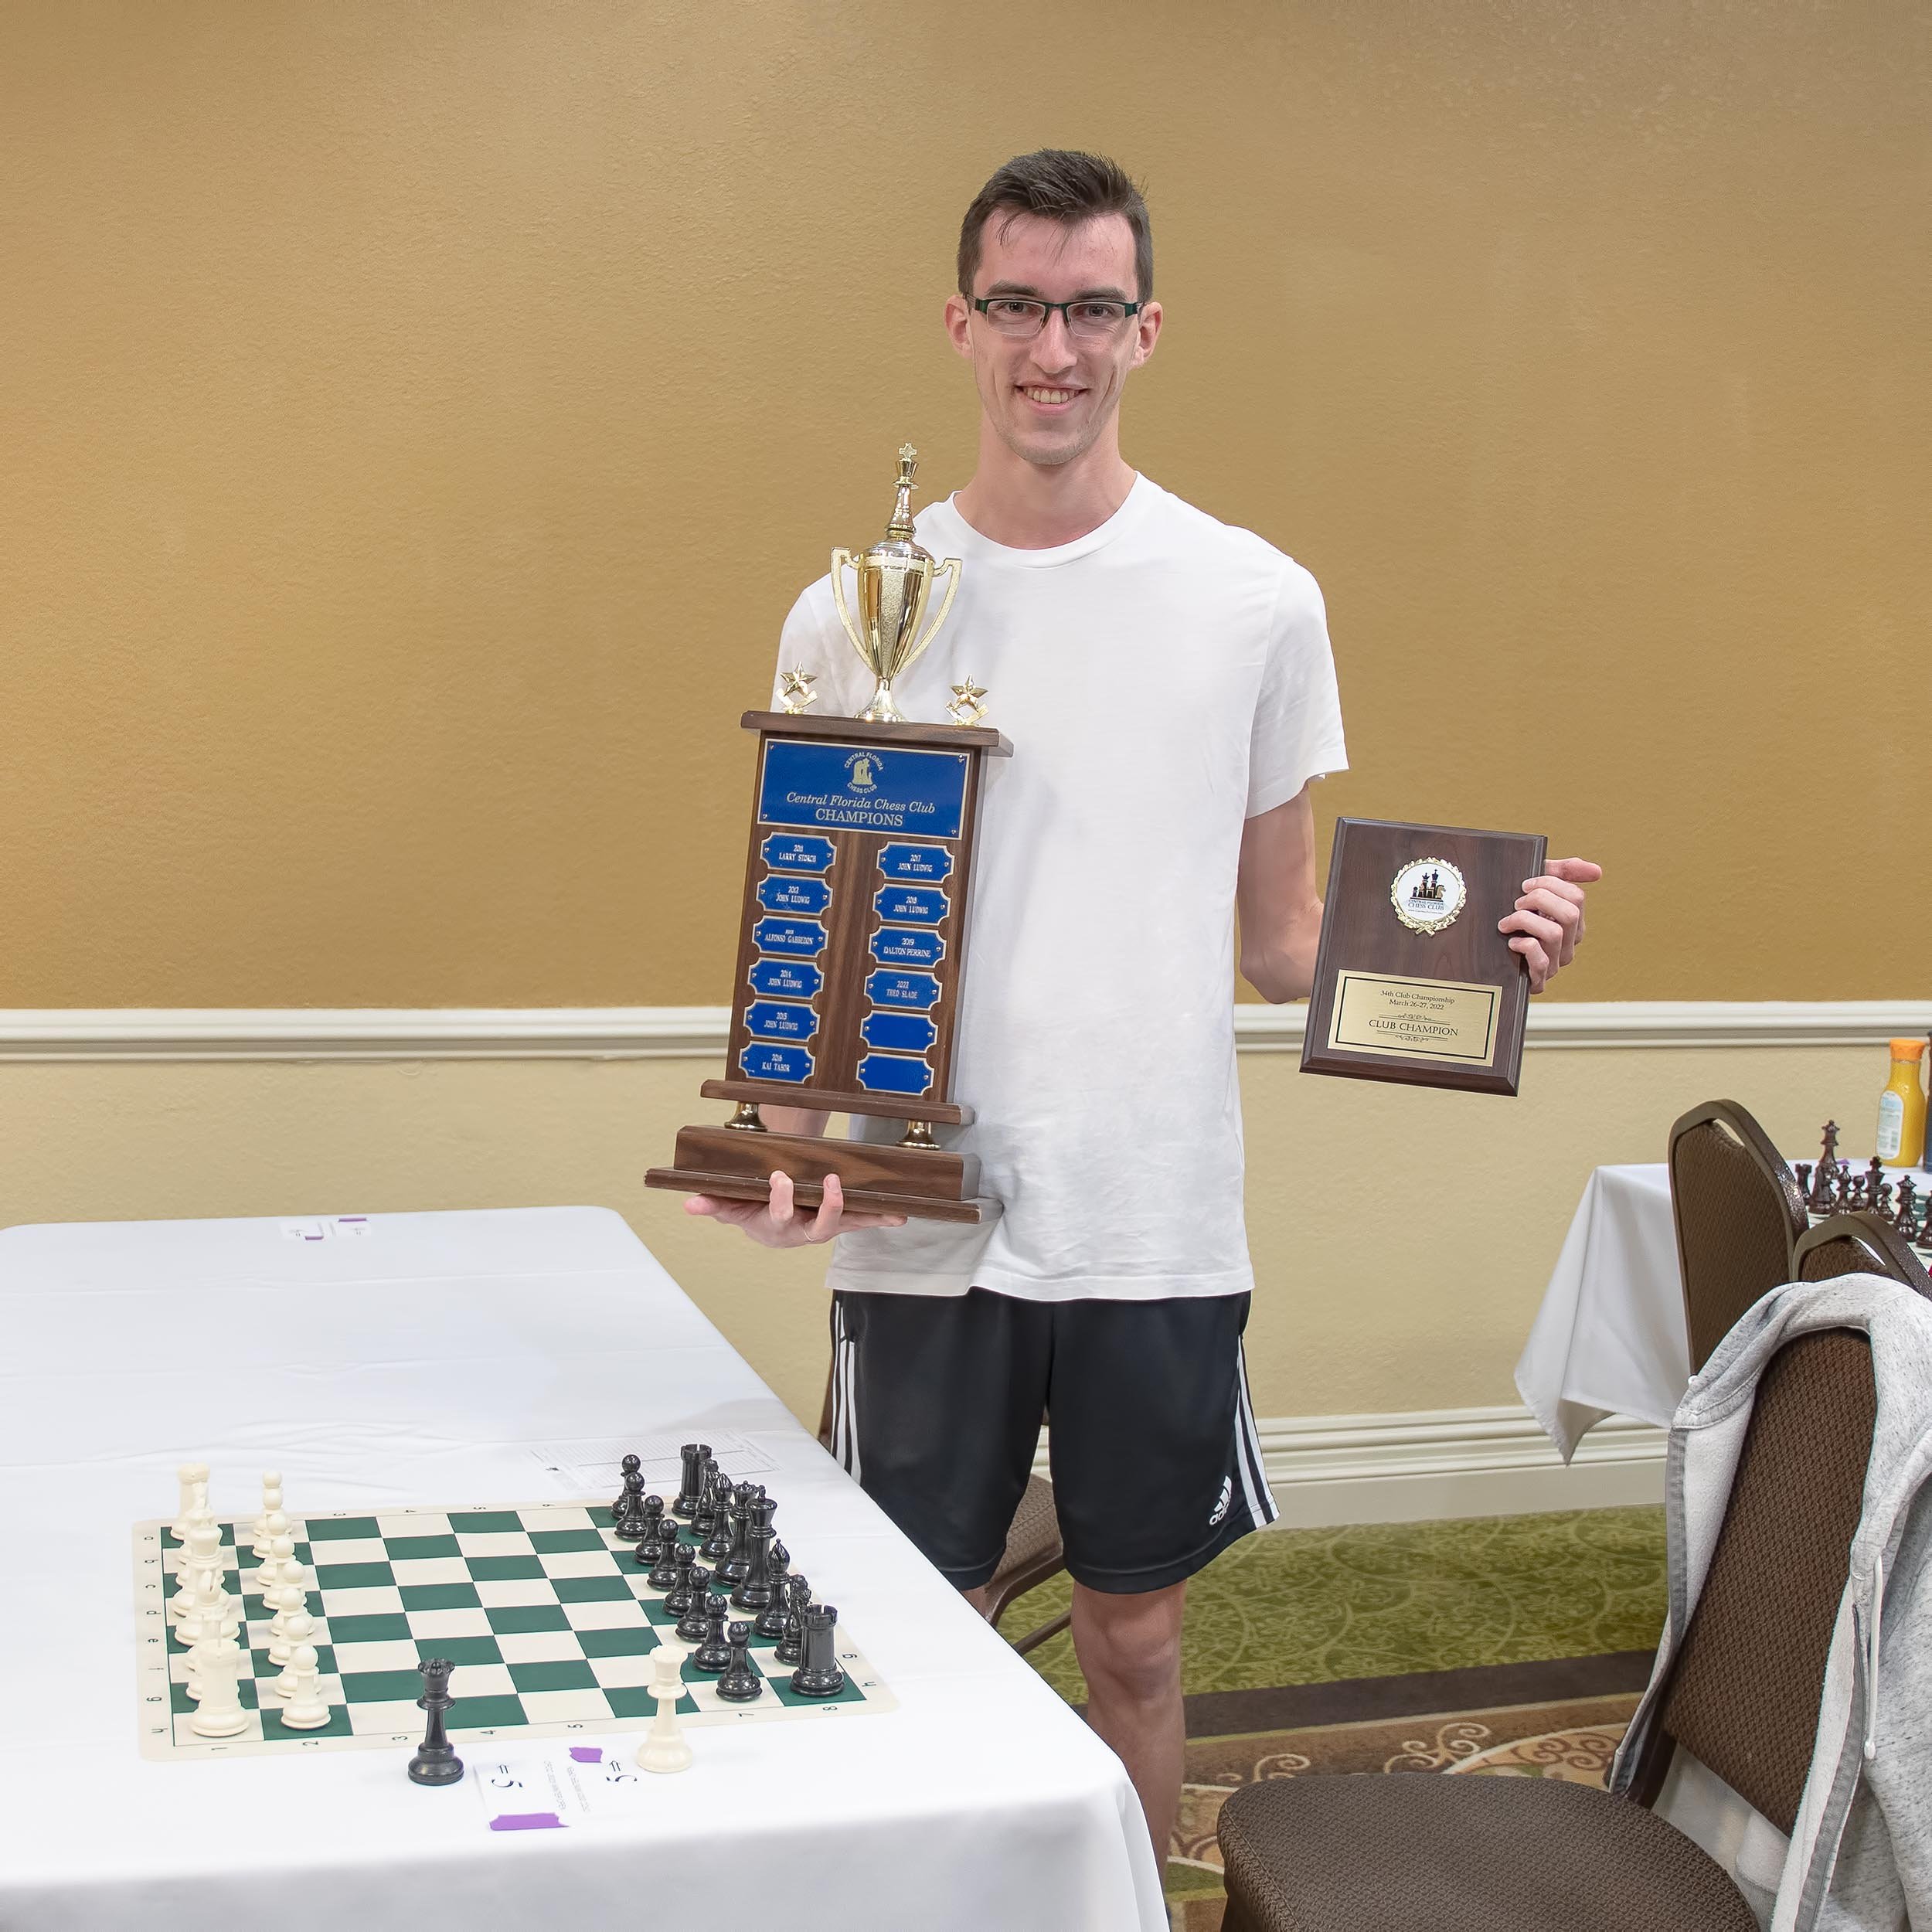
[629,1521]
[740,1683]
[664,1572]
[819,1675]
[714,1654]
[771,1619]
[695,1621]
[693,1456]
[791,1646]
[631,1467]
[684,1582]
[435,1761]
[651,1544]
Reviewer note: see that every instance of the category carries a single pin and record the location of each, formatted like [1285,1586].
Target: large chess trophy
[852,941]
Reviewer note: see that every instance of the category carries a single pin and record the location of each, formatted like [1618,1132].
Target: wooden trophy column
[851,949]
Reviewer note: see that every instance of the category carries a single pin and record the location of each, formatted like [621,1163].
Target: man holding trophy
[1167,686]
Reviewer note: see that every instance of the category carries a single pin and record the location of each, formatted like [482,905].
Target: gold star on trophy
[795,692]
[966,708]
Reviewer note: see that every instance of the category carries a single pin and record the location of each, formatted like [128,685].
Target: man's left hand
[1548,922]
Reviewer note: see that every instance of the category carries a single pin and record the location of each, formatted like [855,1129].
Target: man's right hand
[778,1223]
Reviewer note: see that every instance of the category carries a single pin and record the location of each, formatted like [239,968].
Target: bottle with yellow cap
[1902,1107]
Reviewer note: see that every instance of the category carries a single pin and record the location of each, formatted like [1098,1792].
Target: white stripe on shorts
[1247,1449]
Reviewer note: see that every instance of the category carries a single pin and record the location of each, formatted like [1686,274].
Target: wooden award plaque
[850,953]
[1412,981]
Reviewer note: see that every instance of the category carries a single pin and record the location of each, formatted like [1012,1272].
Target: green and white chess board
[548,1620]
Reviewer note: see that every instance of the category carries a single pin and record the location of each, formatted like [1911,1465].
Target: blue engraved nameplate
[923,905]
[897,946]
[929,862]
[769,1019]
[788,979]
[801,938]
[810,781]
[886,1073]
[913,992]
[790,1064]
[781,895]
[898,1032]
[785,852]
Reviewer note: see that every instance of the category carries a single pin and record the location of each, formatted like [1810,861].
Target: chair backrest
[1745,1688]
[1860,1243]
[1738,1210]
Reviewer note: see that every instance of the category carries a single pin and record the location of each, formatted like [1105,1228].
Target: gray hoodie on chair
[1860,1859]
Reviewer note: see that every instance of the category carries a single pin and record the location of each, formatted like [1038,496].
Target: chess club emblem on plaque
[1427,894]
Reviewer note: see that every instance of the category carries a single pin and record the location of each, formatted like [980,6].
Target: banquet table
[1609,1336]
[479,1359]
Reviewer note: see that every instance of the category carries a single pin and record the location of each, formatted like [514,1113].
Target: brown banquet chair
[1738,1210]
[1461,1853]
[1858,1243]
[1033,1551]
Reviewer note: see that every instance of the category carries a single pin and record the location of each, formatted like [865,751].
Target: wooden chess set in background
[1832,1186]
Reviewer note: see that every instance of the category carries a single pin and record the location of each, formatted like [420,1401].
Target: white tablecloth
[1609,1337]
[416,1365]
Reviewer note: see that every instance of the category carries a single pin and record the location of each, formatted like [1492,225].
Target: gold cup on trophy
[895,580]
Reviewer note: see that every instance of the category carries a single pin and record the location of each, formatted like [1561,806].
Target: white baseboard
[653,1032]
[1428,1465]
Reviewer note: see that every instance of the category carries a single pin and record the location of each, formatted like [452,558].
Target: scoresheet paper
[548,1790]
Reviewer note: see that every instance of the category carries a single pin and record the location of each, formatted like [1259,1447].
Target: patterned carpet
[1509,1646]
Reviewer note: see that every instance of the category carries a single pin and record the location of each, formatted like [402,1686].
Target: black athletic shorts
[936,1406]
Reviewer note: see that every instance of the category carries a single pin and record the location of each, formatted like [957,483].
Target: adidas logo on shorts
[1227,1496]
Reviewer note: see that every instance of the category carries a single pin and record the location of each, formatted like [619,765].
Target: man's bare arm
[1274,894]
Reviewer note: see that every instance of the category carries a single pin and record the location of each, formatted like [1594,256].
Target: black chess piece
[687,1581]
[714,1654]
[664,1572]
[1906,1217]
[791,1646]
[631,1467]
[716,1547]
[771,1624]
[1874,1184]
[1830,1156]
[1803,1170]
[737,1560]
[741,1682]
[435,1761]
[819,1675]
[692,1621]
[628,1523]
[1846,1186]
[651,1544]
[704,1518]
[753,1591]
[692,1457]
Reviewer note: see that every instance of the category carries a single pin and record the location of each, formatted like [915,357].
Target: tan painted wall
[1401,1238]
[417,419]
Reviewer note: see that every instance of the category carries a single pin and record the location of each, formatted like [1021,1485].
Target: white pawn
[188,1475]
[307,1708]
[275,1530]
[301,1630]
[271,1523]
[664,1748]
[220,1713]
[287,1591]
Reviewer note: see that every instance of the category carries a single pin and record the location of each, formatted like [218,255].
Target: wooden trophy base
[922,1183]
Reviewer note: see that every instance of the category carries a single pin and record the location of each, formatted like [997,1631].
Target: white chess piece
[288,1591]
[212,1614]
[203,1551]
[187,1475]
[220,1713]
[664,1748]
[307,1708]
[269,1524]
[301,1630]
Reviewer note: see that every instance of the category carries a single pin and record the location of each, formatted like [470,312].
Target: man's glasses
[1022,317]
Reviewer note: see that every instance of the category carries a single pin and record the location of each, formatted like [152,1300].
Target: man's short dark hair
[1061,185]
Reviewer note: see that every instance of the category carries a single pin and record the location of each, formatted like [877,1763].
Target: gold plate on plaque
[1427,894]
[1415,1019]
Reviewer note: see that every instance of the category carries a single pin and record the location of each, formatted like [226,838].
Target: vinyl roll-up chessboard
[548,1619]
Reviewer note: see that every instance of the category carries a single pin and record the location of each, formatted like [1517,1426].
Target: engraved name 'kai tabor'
[852,941]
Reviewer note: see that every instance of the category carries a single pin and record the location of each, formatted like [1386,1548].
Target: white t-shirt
[1162,679]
